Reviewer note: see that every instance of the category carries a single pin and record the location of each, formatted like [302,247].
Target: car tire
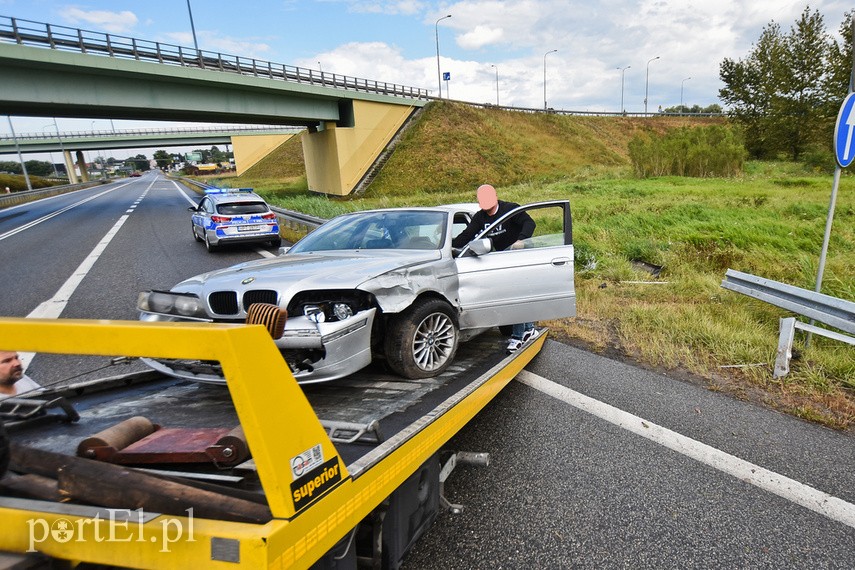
[276,242]
[195,235]
[421,341]
[208,245]
[4,451]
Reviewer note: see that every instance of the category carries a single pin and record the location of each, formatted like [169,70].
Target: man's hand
[517,245]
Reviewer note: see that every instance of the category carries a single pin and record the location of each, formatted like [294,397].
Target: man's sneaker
[514,345]
[530,334]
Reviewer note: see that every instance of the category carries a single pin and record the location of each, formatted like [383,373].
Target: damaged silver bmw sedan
[384,284]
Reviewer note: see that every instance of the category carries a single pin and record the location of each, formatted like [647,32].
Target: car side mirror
[481,246]
[192,209]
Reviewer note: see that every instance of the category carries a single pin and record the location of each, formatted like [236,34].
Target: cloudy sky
[482,41]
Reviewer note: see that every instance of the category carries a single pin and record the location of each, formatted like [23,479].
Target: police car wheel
[208,245]
[195,235]
[4,451]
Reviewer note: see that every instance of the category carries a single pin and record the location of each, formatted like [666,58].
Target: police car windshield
[240,208]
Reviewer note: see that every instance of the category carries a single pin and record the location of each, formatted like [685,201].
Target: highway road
[594,463]
[89,253]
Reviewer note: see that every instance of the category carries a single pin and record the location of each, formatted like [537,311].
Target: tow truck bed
[411,421]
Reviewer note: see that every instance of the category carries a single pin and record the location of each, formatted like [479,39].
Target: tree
[786,92]
[139,162]
[218,156]
[11,167]
[163,158]
[39,168]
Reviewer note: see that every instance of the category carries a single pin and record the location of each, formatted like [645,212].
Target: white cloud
[213,42]
[392,7]
[480,37]
[112,22]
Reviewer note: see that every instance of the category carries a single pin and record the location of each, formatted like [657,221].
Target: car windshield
[240,208]
[408,229]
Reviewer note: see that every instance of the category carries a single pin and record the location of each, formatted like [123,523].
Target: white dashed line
[53,307]
[790,489]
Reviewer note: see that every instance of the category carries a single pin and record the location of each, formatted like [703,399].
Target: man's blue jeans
[519,329]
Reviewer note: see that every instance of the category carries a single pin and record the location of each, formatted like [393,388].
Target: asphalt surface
[594,463]
[569,489]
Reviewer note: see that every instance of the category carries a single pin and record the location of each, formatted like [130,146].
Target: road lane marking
[29,225]
[180,191]
[790,489]
[53,307]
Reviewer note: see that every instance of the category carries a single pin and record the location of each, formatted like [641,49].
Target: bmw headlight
[169,303]
[328,312]
[342,311]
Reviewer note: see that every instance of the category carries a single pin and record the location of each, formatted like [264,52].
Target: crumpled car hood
[289,274]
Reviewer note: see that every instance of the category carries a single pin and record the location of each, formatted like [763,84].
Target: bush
[699,152]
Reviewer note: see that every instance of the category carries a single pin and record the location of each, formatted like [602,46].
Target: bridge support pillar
[81,163]
[69,167]
[338,157]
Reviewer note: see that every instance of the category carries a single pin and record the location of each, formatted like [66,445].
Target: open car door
[521,285]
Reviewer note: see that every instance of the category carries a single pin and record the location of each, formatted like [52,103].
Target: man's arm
[467,235]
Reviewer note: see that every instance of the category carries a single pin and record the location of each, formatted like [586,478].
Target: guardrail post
[785,347]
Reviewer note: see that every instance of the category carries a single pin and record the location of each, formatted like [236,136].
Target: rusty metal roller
[271,316]
[230,449]
[104,444]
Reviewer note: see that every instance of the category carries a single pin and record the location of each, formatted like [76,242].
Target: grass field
[650,253]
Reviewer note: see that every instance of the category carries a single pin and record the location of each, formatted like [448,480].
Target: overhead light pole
[497,83]
[192,27]
[681,92]
[438,72]
[647,81]
[20,157]
[544,76]
[622,71]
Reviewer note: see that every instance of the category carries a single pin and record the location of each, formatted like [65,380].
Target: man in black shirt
[507,235]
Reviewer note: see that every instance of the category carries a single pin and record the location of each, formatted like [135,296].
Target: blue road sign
[446,75]
[844,132]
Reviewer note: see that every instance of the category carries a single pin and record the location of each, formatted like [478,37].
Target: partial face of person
[11,369]
[487,198]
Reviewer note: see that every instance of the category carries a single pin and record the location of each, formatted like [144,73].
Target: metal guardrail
[39,34]
[25,196]
[834,312]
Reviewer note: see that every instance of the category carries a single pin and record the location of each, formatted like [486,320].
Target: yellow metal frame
[278,423]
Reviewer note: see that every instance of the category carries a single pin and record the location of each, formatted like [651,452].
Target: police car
[227,215]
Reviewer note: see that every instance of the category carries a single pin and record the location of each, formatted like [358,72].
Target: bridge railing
[39,34]
[46,135]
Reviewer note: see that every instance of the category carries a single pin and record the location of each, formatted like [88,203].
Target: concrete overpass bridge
[250,143]
[53,71]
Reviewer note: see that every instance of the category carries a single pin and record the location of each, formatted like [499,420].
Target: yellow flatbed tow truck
[343,474]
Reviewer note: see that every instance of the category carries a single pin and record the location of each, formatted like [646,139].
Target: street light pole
[20,157]
[438,72]
[622,71]
[681,93]
[192,27]
[497,83]
[62,150]
[544,76]
[646,82]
